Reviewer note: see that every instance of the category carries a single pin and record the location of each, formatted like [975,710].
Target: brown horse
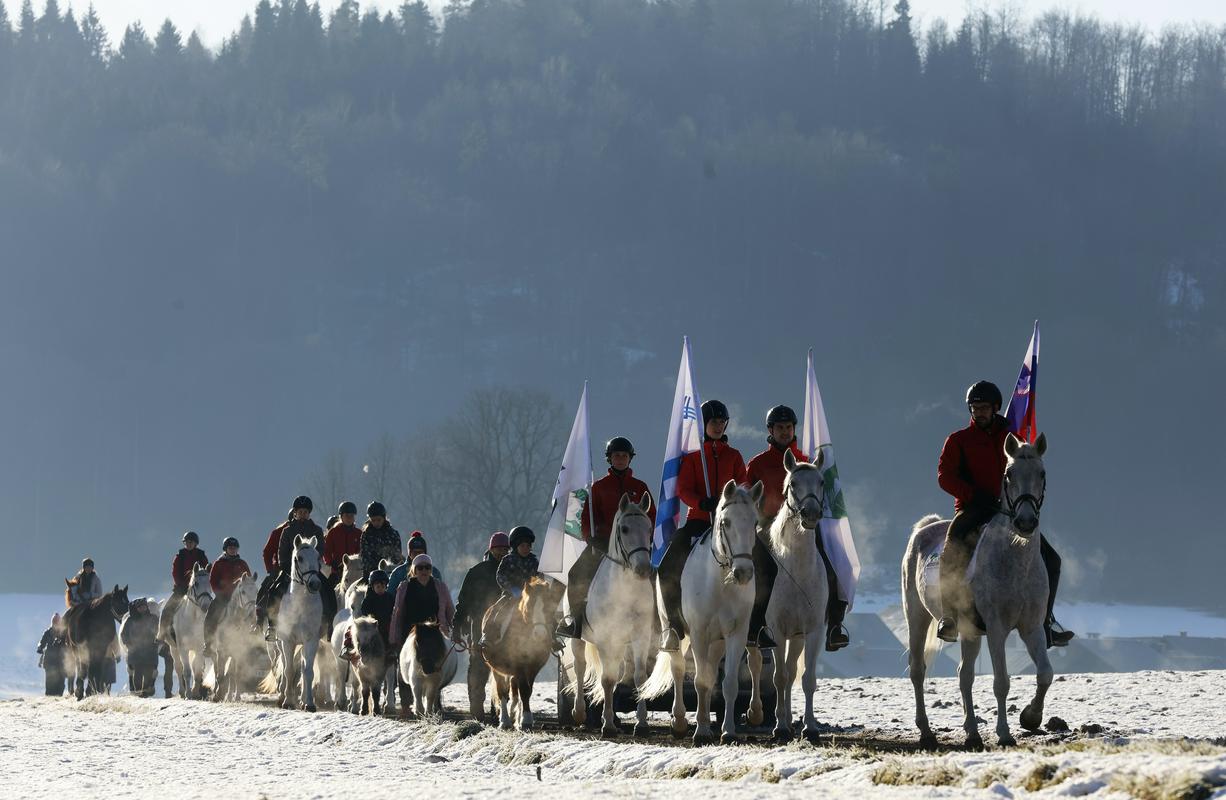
[518,656]
[91,637]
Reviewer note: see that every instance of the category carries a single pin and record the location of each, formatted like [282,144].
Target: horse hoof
[506,726]
[1031,720]
[811,736]
[974,742]
[729,738]
[928,741]
[1006,740]
[782,735]
[703,739]
[609,733]
[642,730]
[309,708]
[754,718]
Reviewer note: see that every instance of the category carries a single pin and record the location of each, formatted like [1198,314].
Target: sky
[214,19]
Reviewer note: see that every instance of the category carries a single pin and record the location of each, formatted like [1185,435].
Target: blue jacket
[514,572]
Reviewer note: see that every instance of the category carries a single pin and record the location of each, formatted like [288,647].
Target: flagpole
[702,440]
[591,478]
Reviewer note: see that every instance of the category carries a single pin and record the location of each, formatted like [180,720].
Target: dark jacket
[477,593]
[84,588]
[183,564]
[299,527]
[380,607]
[972,464]
[767,467]
[514,572]
[606,495]
[138,634]
[414,603]
[51,648]
[378,543]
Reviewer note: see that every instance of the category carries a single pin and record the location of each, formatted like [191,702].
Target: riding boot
[836,609]
[669,576]
[951,572]
[579,581]
[1055,633]
[765,571]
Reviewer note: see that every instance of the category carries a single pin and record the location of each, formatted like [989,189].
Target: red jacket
[606,495]
[270,549]
[767,467]
[181,567]
[225,572]
[973,460]
[341,540]
[724,463]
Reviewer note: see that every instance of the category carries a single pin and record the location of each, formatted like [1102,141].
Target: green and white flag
[564,535]
[836,527]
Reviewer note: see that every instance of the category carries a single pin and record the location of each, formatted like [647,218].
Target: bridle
[719,542]
[198,596]
[625,555]
[794,507]
[1012,503]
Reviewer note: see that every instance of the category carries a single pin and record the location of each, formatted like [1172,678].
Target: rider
[302,525]
[85,585]
[972,469]
[417,546]
[379,539]
[379,603]
[767,467]
[421,598]
[342,539]
[51,649]
[514,571]
[189,556]
[224,573]
[602,506]
[477,593]
[699,489]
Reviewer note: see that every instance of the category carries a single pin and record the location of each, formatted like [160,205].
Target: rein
[298,578]
[626,555]
[721,538]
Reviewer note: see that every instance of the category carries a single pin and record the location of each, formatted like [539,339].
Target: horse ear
[116,589]
[255,576]
[313,542]
[125,588]
[1040,444]
[645,503]
[821,458]
[756,492]
[789,461]
[624,503]
[67,582]
[729,490]
[1012,443]
[297,541]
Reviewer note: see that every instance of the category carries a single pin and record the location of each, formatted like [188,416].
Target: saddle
[930,580]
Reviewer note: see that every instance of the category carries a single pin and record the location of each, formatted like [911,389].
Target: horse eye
[625,529]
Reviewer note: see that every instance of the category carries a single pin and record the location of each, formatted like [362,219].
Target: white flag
[684,436]
[835,526]
[564,535]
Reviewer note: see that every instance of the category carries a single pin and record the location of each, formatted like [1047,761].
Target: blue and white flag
[835,526]
[564,535]
[1023,404]
[684,436]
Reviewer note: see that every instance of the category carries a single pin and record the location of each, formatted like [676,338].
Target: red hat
[499,539]
[417,540]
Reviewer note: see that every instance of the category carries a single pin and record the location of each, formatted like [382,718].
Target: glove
[708,504]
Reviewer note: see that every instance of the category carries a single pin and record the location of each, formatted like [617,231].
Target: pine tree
[195,51]
[97,45]
[168,45]
[135,46]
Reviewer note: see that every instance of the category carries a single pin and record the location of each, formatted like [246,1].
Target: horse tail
[593,686]
[661,678]
[924,522]
[210,676]
[272,681]
[932,645]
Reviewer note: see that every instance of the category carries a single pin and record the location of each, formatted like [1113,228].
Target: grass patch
[1179,786]
[990,776]
[770,774]
[464,730]
[897,772]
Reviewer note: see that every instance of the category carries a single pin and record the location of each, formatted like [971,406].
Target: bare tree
[328,485]
[380,470]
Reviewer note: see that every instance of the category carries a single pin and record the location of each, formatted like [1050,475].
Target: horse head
[630,541]
[429,646]
[119,601]
[366,638]
[804,488]
[351,570]
[305,569]
[736,526]
[535,606]
[1025,483]
[246,592]
[199,589]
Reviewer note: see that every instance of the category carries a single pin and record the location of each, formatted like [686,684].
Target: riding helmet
[191,536]
[332,520]
[302,501]
[780,415]
[618,444]
[984,392]
[376,509]
[521,533]
[347,507]
[377,576]
[229,542]
[89,562]
[714,409]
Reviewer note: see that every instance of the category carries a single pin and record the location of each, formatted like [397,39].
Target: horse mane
[525,600]
[924,522]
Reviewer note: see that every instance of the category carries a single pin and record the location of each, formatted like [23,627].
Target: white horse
[240,646]
[351,573]
[1009,587]
[427,663]
[796,614]
[188,627]
[298,624]
[717,592]
[619,615]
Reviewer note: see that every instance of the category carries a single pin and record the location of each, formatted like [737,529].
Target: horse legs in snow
[732,686]
[1000,685]
[966,680]
[677,664]
[754,715]
[478,679]
[808,679]
[523,688]
[578,652]
[289,673]
[365,710]
[389,688]
[917,637]
[609,675]
[639,649]
[704,686]
[342,681]
[1036,645]
[309,648]
[182,669]
[502,693]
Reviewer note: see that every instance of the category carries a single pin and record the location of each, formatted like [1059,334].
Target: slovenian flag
[684,436]
[564,535]
[1021,413]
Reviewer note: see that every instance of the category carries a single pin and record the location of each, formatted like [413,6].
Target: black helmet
[780,415]
[88,562]
[332,520]
[521,533]
[984,392]
[302,501]
[347,507]
[377,576]
[713,409]
[618,444]
[376,509]
[229,542]
[191,536]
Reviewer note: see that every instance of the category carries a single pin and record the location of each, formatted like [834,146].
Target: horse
[1008,585]
[427,664]
[239,644]
[349,673]
[298,626]
[90,634]
[351,573]
[188,629]
[516,658]
[619,615]
[717,594]
[138,634]
[796,613]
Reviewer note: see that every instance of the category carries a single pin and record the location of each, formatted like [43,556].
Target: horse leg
[502,692]
[1000,685]
[478,679]
[578,651]
[365,710]
[677,663]
[704,685]
[342,681]
[808,679]
[918,622]
[1036,645]
[181,669]
[309,648]
[966,680]
[754,714]
[609,676]
[289,674]
[782,680]
[732,686]
[523,686]
[639,649]
[389,690]
[376,689]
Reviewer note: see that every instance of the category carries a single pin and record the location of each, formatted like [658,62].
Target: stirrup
[1056,634]
[570,628]
[947,629]
[837,638]
[762,641]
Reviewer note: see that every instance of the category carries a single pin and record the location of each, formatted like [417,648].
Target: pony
[796,613]
[298,627]
[138,635]
[90,635]
[717,593]
[188,629]
[1008,585]
[619,615]
[427,664]
[241,653]
[358,675]
[516,658]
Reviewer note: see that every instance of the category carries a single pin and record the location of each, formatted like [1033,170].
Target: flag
[564,534]
[684,436]
[1021,413]
[835,526]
